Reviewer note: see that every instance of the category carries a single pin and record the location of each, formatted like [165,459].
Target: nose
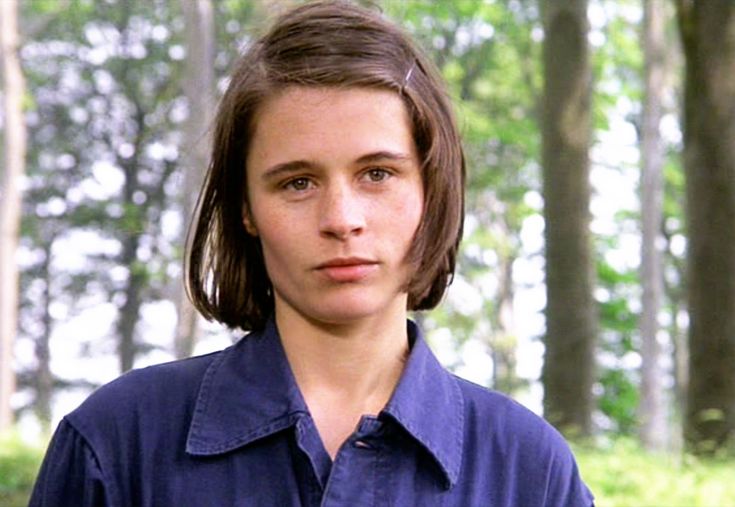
[341,213]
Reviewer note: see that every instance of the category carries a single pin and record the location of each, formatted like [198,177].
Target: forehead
[319,122]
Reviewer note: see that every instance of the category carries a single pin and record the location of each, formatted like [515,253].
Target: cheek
[274,241]
[411,210]
[268,229]
[278,257]
[282,237]
[400,224]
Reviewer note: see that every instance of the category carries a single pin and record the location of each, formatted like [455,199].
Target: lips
[347,269]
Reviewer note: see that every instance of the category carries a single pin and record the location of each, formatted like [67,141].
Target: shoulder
[504,414]
[498,429]
[508,424]
[142,396]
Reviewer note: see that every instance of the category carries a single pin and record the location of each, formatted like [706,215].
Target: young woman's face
[335,196]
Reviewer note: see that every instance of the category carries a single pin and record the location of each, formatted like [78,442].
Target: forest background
[596,282]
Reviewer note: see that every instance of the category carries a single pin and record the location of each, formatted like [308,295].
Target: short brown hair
[324,44]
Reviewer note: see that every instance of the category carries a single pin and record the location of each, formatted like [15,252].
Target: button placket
[352,480]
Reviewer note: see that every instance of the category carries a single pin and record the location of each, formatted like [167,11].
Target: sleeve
[70,473]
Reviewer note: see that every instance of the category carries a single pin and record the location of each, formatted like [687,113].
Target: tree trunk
[135,219]
[44,381]
[675,290]
[10,201]
[708,35]
[504,339]
[130,311]
[680,360]
[571,326]
[198,84]
[143,195]
[652,411]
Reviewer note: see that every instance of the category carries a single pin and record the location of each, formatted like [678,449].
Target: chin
[344,314]
[346,307]
[345,310]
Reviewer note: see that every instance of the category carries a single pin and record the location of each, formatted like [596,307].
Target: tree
[106,125]
[118,122]
[49,137]
[10,203]
[489,59]
[198,83]
[652,412]
[571,327]
[708,35]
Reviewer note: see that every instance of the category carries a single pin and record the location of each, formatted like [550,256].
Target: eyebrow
[293,166]
[384,155]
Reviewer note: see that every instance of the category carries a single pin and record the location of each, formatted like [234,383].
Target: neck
[358,363]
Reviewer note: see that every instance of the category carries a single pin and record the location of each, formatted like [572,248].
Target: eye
[297,184]
[377,174]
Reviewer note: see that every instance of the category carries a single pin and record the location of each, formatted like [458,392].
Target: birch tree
[10,200]
[652,412]
[198,84]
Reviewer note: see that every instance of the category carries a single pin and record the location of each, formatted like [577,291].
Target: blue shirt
[232,429]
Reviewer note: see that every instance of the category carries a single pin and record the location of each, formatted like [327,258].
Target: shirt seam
[108,484]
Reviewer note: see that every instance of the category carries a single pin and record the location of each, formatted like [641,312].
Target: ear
[247,221]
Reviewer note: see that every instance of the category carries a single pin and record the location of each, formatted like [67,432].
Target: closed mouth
[345,262]
[348,270]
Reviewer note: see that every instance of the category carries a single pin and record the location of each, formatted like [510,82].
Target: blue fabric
[231,428]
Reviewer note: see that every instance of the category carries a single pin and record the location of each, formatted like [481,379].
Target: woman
[332,206]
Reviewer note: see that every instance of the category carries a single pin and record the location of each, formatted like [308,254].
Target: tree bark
[44,379]
[130,311]
[505,339]
[708,35]
[198,82]
[10,201]
[675,290]
[571,325]
[652,407]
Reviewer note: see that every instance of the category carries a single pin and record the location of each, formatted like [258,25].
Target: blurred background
[596,282]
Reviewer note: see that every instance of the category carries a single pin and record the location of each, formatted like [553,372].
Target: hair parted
[330,43]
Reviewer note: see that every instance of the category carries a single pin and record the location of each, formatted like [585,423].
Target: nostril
[341,216]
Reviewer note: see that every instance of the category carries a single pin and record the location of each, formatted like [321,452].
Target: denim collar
[249,392]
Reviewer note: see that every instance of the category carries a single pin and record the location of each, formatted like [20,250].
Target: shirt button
[361,444]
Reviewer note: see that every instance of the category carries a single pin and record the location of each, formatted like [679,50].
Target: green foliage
[19,465]
[100,80]
[618,395]
[489,58]
[617,61]
[104,142]
[622,475]
[619,400]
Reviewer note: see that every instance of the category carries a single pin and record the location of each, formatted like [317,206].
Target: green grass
[19,465]
[622,475]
